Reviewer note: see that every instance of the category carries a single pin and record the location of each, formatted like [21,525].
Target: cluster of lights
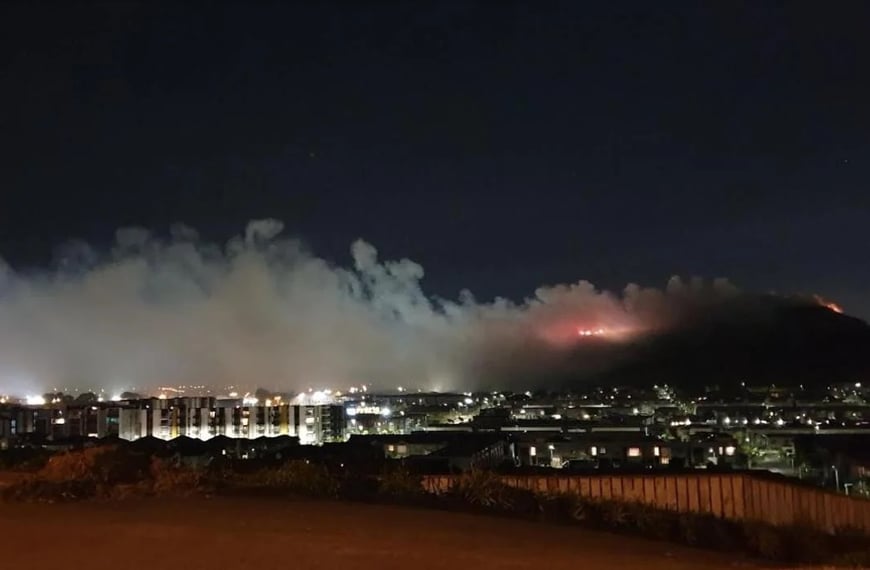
[590,332]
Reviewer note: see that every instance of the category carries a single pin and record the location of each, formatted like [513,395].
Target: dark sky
[501,145]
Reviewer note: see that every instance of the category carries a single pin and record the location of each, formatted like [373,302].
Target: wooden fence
[738,496]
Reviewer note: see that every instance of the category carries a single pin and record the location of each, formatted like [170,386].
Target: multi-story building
[168,418]
[204,418]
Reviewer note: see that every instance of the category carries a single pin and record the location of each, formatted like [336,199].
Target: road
[218,534]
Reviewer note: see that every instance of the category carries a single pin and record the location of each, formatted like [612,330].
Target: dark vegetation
[767,340]
[116,472]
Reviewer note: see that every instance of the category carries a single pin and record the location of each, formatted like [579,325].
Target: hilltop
[767,340]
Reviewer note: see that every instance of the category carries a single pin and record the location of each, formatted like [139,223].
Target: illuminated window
[634,452]
[593,451]
[602,450]
[730,450]
[657,451]
[533,451]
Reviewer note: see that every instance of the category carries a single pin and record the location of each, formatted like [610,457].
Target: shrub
[357,488]
[106,465]
[616,515]
[847,538]
[45,491]
[483,489]
[688,529]
[172,479]
[853,559]
[558,507]
[120,466]
[72,465]
[294,476]
[720,534]
[765,541]
[805,544]
[24,458]
[399,483]
[655,523]
[587,512]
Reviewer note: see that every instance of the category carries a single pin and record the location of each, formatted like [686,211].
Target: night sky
[501,145]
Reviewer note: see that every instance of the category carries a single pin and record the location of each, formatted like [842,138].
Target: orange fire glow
[591,332]
[828,304]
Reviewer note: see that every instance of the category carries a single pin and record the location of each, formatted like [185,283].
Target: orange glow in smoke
[828,304]
[591,332]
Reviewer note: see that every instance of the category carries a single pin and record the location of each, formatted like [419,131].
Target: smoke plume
[263,311]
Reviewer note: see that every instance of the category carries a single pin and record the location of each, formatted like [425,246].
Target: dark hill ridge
[760,340]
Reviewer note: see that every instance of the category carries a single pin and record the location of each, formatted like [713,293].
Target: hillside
[766,341]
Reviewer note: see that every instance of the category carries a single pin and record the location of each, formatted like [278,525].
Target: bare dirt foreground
[222,534]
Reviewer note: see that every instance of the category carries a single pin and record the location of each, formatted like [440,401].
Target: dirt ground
[217,534]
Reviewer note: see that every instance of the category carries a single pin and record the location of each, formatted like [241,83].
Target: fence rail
[738,496]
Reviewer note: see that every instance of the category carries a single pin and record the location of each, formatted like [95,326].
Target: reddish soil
[219,534]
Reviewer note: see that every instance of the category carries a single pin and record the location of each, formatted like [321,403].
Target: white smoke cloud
[262,311]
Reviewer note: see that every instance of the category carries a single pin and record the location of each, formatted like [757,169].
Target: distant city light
[35,400]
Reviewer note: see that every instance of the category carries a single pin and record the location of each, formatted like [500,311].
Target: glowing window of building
[634,452]
[593,451]
[533,451]
[657,451]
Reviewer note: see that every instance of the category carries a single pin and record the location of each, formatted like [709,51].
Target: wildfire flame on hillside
[591,332]
[828,304]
